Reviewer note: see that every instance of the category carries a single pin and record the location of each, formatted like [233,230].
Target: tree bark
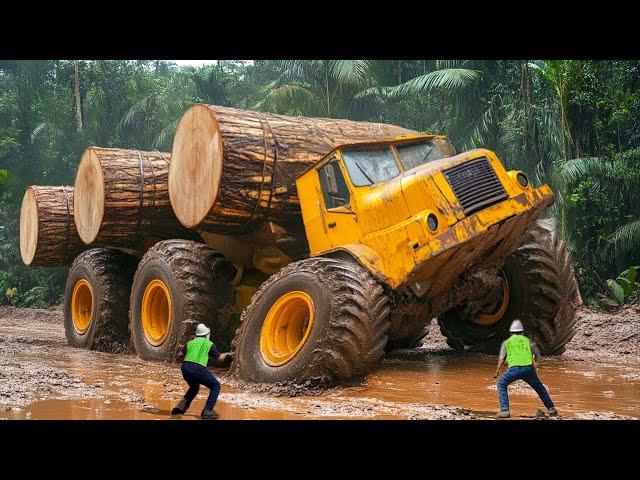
[232,169]
[48,236]
[122,199]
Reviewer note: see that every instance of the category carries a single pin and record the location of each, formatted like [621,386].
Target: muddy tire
[543,294]
[97,300]
[185,283]
[346,329]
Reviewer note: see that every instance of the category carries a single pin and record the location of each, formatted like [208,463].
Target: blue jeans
[196,375]
[529,375]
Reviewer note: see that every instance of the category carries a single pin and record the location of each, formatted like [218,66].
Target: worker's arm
[501,359]
[182,353]
[219,359]
[535,351]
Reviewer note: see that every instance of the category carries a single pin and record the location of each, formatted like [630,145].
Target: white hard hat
[202,330]
[516,326]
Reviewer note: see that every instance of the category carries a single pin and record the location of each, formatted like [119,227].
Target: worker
[198,353]
[521,356]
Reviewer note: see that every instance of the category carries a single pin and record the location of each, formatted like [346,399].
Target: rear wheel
[178,284]
[97,300]
[317,320]
[539,288]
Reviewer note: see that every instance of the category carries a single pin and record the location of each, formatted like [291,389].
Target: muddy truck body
[325,270]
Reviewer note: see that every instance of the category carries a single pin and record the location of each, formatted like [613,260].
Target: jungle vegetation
[573,124]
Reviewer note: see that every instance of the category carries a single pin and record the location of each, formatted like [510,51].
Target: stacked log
[48,236]
[122,200]
[232,170]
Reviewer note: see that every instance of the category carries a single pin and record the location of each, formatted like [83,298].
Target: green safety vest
[198,351]
[518,351]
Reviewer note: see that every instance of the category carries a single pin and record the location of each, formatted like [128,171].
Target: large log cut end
[232,170]
[197,156]
[89,192]
[48,236]
[122,199]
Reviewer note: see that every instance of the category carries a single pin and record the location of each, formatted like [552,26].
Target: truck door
[339,217]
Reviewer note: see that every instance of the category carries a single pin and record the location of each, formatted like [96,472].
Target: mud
[41,377]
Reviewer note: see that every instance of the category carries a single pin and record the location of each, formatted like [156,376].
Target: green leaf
[627,286]
[4,174]
[616,291]
[446,80]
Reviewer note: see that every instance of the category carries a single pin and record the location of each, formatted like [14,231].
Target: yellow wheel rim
[156,312]
[286,328]
[82,306]
[494,313]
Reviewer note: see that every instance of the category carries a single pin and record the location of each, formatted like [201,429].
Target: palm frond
[626,239]
[290,96]
[448,80]
[36,131]
[350,72]
[572,170]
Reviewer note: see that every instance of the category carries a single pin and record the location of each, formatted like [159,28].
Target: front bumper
[482,240]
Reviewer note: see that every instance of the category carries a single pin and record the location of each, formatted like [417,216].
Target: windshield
[412,155]
[367,167]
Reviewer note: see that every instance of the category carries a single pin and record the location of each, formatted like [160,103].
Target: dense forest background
[573,124]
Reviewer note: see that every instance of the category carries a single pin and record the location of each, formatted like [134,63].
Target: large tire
[190,283]
[349,330]
[96,316]
[543,294]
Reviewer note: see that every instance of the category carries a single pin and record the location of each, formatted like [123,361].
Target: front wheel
[316,320]
[538,287]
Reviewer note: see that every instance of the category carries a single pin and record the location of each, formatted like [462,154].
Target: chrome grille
[475,185]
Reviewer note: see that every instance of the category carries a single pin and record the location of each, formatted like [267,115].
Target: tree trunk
[232,169]
[122,199]
[48,236]
[77,92]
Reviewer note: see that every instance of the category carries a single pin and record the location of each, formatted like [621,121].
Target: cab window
[414,154]
[334,187]
[367,167]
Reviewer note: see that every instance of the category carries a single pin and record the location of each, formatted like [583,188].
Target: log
[122,199]
[232,170]
[48,236]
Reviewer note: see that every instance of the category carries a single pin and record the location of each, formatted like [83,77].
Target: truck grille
[475,185]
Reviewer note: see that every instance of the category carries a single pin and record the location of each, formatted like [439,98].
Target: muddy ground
[41,377]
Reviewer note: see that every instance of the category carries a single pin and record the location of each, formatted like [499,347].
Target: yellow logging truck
[390,234]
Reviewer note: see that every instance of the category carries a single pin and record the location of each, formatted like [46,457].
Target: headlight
[522,179]
[432,222]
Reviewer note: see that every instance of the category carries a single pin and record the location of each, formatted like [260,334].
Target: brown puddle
[407,385]
[576,388]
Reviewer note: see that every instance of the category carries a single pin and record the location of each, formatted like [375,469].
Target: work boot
[209,414]
[180,408]
[552,412]
[503,414]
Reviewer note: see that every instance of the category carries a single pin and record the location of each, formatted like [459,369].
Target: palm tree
[461,84]
[559,76]
[622,188]
[323,88]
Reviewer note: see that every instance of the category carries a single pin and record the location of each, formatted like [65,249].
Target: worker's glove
[228,358]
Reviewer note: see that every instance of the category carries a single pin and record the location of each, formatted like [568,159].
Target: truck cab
[406,208]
